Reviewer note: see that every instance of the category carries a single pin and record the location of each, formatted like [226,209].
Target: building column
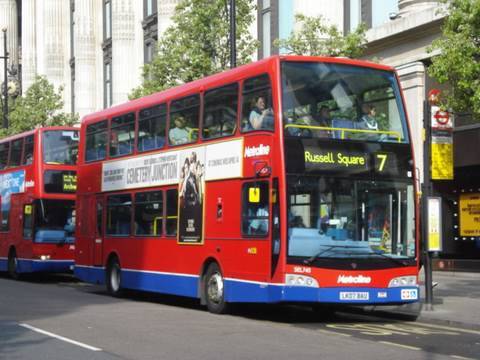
[413,6]
[412,79]
[8,20]
[85,64]
[165,10]
[125,73]
[29,44]
[55,43]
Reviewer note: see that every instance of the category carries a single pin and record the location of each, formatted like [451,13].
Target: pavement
[456,299]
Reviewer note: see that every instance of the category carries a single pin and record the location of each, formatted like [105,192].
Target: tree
[39,107]
[197,44]
[317,38]
[458,63]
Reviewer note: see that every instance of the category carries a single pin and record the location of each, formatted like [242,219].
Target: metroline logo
[360,279]
[259,150]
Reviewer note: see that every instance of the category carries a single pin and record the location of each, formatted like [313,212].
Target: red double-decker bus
[286,180]
[38,181]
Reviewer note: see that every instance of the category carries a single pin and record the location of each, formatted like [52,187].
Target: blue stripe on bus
[28,265]
[237,290]
[3,264]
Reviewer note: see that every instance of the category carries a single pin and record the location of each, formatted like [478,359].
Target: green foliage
[197,44]
[459,61]
[39,107]
[317,38]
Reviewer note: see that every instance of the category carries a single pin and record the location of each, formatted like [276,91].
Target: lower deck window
[119,209]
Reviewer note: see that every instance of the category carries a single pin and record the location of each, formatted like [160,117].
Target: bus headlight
[403,281]
[300,280]
[44,257]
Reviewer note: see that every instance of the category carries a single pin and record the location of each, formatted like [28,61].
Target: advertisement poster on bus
[10,183]
[191,190]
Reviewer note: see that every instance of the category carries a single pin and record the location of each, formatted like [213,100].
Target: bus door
[381,215]
[98,239]
[257,228]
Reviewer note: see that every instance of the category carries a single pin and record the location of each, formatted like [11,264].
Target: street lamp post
[5,79]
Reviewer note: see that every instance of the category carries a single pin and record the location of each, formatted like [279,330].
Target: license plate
[409,294]
[353,295]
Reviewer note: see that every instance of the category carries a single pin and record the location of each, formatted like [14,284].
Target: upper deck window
[184,114]
[4,148]
[60,147]
[151,128]
[257,111]
[220,112]
[122,134]
[28,150]
[342,102]
[96,141]
[16,153]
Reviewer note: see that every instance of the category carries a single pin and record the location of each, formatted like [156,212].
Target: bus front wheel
[215,290]
[114,278]
[13,265]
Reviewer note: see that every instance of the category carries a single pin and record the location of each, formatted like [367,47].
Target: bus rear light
[300,280]
[44,257]
[403,281]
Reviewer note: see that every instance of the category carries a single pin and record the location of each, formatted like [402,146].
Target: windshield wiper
[397,261]
[314,257]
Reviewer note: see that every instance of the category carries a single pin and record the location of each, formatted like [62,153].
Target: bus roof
[219,79]
[40,129]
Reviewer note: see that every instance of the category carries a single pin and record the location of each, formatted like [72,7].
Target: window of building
[28,151]
[108,91]
[184,114]
[150,7]
[122,134]
[149,213]
[16,152]
[4,148]
[151,128]
[255,208]
[266,28]
[107,19]
[172,212]
[257,111]
[220,112]
[119,209]
[381,10]
[96,148]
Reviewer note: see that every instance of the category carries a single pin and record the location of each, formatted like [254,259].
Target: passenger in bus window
[368,120]
[260,117]
[179,134]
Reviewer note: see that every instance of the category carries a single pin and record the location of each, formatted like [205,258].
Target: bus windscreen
[60,147]
[322,100]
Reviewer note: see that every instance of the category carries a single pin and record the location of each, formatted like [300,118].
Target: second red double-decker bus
[38,181]
[287,180]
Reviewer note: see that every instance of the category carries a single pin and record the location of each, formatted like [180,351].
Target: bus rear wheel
[114,278]
[215,290]
[13,265]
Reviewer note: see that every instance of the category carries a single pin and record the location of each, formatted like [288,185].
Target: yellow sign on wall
[442,161]
[470,214]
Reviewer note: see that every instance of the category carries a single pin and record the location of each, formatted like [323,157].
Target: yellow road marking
[451,328]
[461,357]
[333,333]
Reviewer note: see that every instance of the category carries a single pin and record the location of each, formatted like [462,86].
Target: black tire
[214,287]
[114,278]
[13,265]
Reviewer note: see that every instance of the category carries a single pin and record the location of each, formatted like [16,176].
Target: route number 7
[383,159]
